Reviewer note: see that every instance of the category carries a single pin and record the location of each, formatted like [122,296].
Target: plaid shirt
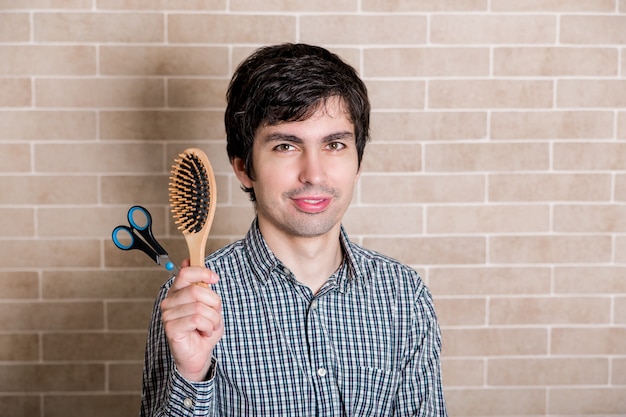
[367,343]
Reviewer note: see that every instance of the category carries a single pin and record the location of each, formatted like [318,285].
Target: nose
[312,169]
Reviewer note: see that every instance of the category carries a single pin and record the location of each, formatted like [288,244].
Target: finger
[179,323]
[192,275]
[191,297]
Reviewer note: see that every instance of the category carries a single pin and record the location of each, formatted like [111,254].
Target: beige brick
[392,94]
[93,405]
[482,219]
[548,371]
[618,374]
[591,93]
[196,93]
[431,250]
[20,405]
[163,60]
[590,218]
[19,284]
[135,189]
[483,341]
[383,220]
[619,312]
[498,94]
[590,280]
[590,156]
[102,284]
[549,187]
[124,376]
[102,92]
[14,27]
[553,6]
[390,157]
[489,280]
[496,402]
[550,310]
[379,189]
[588,341]
[19,347]
[99,158]
[620,187]
[620,249]
[47,125]
[461,311]
[17,222]
[550,61]
[552,125]
[162,125]
[428,125]
[225,28]
[230,220]
[15,92]
[51,316]
[46,4]
[14,158]
[293,6]
[51,253]
[45,377]
[492,29]
[411,29]
[463,372]
[93,346]
[550,249]
[421,62]
[32,189]
[622,5]
[43,60]
[487,157]
[423,5]
[621,120]
[129,315]
[587,401]
[90,221]
[593,29]
[201,5]
[98,27]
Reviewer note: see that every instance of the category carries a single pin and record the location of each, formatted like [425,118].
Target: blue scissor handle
[149,244]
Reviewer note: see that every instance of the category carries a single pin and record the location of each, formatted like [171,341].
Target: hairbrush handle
[193,200]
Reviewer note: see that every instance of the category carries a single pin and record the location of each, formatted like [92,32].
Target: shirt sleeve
[164,391]
[421,390]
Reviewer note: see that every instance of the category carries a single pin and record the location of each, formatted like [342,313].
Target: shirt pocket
[371,391]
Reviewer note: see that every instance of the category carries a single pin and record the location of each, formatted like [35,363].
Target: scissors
[140,222]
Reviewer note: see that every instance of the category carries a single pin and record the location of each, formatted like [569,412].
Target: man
[297,320]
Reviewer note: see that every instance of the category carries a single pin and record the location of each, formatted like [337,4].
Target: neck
[312,260]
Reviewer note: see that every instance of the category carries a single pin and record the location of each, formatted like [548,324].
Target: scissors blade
[165,261]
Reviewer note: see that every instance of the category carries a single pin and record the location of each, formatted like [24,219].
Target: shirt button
[188,403]
[286,271]
[313,304]
[322,371]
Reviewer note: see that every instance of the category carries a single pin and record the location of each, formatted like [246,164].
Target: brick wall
[497,169]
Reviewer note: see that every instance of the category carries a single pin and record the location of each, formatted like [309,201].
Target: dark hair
[284,83]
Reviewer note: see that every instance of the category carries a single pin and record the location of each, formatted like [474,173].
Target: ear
[239,168]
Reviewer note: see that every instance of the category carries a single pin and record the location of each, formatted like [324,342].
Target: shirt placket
[323,368]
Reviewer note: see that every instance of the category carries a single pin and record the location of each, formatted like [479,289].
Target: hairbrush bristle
[190,192]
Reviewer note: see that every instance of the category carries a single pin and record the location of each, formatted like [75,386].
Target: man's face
[305,172]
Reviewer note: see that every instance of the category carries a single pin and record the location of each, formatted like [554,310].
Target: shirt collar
[263,262]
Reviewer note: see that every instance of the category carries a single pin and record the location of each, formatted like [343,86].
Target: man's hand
[192,318]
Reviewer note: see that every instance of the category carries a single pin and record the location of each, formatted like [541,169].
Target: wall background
[497,169]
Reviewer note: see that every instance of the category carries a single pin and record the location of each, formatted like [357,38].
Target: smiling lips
[312,204]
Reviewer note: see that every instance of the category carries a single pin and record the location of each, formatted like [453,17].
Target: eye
[336,146]
[284,147]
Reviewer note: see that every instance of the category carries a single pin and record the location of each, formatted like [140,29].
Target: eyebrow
[283,137]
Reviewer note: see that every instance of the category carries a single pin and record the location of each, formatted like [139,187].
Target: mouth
[310,204]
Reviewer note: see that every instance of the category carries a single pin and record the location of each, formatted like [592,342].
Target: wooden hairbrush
[192,198]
